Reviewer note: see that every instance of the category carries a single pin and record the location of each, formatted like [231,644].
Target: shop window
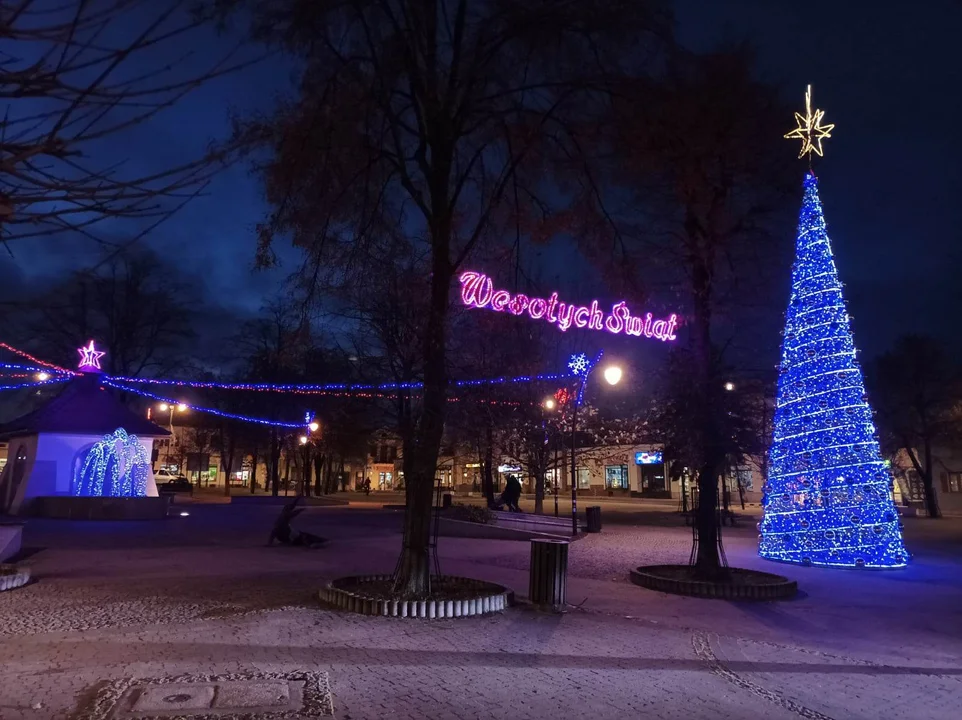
[616,477]
[653,478]
[952,482]
[584,478]
[744,477]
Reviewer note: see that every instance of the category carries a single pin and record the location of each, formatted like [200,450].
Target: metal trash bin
[548,573]
[445,501]
[593,519]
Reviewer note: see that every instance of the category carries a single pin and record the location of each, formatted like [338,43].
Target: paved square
[198,620]
[238,696]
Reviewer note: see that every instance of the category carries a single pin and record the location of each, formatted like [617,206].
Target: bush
[471,513]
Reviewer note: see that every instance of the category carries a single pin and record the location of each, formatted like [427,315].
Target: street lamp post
[551,404]
[581,367]
[574,467]
[312,427]
[169,408]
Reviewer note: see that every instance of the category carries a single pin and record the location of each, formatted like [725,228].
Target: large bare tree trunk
[228,463]
[487,476]
[318,470]
[275,464]
[306,480]
[539,484]
[928,482]
[707,561]
[421,460]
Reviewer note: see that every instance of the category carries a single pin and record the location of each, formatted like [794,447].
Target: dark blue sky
[885,72]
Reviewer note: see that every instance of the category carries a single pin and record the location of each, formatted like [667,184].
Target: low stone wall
[68,507]
[488,598]
[759,585]
[12,577]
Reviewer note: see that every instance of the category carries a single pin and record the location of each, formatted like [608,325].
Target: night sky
[885,72]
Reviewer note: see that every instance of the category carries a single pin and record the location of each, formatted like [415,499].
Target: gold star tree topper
[810,129]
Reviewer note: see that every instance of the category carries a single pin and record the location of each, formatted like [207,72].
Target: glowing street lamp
[314,426]
[169,409]
[549,404]
[303,439]
[729,386]
[43,376]
[612,374]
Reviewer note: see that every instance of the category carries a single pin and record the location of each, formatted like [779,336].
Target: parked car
[171,483]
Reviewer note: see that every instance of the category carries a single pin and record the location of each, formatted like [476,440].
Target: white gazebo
[85,445]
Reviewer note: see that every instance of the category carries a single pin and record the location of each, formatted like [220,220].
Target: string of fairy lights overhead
[44,374]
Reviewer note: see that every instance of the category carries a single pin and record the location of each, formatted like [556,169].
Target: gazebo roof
[83,407]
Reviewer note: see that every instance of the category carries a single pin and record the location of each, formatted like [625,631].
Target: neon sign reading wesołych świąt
[477,290]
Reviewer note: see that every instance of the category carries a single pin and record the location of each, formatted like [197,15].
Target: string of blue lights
[319,388]
[31,368]
[210,411]
[36,383]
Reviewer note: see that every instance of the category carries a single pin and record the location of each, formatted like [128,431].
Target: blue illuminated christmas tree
[827,499]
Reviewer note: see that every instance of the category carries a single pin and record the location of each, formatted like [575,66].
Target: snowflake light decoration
[579,364]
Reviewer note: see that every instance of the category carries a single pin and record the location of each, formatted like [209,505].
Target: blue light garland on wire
[310,389]
[31,368]
[36,383]
[211,411]
[827,498]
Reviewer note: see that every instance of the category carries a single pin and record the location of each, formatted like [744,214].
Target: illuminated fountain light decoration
[827,498]
[477,290]
[116,466]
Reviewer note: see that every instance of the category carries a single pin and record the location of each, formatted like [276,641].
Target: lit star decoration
[810,129]
[90,358]
[827,499]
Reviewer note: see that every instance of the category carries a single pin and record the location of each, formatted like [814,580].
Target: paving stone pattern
[210,624]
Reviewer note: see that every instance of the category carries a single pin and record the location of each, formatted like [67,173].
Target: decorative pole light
[303,439]
[549,404]
[314,426]
[581,367]
[729,386]
[827,499]
[90,358]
